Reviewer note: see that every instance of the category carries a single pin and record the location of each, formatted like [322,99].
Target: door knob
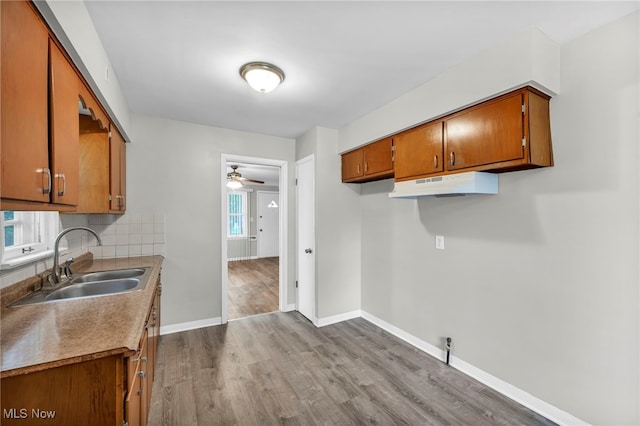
[308,250]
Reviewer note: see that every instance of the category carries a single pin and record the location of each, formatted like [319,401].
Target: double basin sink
[92,284]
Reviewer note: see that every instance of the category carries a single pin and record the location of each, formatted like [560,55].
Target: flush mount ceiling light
[261,76]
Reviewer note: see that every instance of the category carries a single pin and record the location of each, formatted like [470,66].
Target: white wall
[539,285]
[337,227]
[174,168]
[528,56]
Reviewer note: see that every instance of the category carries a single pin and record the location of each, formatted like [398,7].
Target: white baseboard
[289,308]
[236,259]
[524,398]
[190,325]
[321,322]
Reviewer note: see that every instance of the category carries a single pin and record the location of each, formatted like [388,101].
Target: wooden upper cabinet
[352,166]
[378,159]
[95,178]
[419,151]
[64,88]
[371,162]
[118,171]
[510,132]
[24,123]
[489,133]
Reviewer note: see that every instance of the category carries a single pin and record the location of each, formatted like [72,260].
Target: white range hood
[447,185]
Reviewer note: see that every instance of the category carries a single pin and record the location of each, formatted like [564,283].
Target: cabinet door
[352,167]
[24,122]
[65,136]
[136,403]
[118,171]
[378,157]
[419,151]
[489,133]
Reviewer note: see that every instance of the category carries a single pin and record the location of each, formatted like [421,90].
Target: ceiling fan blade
[250,180]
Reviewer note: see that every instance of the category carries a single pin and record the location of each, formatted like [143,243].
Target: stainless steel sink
[108,275]
[92,284]
[94,288]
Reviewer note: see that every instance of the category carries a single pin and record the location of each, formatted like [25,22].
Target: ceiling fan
[235,179]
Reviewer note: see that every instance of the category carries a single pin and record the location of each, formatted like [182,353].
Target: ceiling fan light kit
[262,76]
[235,179]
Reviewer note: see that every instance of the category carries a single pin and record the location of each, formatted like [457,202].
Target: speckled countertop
[41,336]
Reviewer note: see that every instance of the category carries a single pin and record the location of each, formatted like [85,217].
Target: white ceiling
[180,59]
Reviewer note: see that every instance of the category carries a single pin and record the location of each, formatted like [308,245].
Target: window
[26,236]
[237,217]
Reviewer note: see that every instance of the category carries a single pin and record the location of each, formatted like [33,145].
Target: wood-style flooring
[280,369]
[252,287]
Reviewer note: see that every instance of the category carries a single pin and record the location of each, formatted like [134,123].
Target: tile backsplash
[127,235]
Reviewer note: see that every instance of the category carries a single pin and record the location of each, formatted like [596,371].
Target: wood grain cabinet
[24,44]
[64,86]
[141,368]
[53,156]
[507,133]
[371,162]
[510,132]
[419,151]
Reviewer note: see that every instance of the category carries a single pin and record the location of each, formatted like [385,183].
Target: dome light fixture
[261,76]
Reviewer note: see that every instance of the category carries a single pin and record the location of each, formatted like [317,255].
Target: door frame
[310,158]
[258,192]
[284,221]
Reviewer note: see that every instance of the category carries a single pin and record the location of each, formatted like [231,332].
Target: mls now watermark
[23,413]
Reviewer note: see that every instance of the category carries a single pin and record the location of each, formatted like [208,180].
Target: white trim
[283,187]
[518,395]
[233,259]
[189,325]
[289,308]
[334,319]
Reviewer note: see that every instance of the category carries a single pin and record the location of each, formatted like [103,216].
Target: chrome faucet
[56,277]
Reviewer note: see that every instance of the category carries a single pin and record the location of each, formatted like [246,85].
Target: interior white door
[268,223]
[305,248]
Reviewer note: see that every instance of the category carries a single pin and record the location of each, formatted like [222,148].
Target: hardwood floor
[280,369]
[253,287]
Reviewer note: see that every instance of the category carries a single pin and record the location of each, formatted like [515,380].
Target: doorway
[254,236]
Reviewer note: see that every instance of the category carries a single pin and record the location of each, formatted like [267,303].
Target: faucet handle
[67,267]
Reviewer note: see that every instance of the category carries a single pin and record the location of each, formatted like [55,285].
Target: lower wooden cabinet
[109,391]
[89,392]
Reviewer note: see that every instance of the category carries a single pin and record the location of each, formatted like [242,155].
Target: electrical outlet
[440,242]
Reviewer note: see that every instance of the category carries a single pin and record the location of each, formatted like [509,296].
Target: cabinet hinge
[109,134]
[296,181]
[524,108]
[524,142]
[109,197]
